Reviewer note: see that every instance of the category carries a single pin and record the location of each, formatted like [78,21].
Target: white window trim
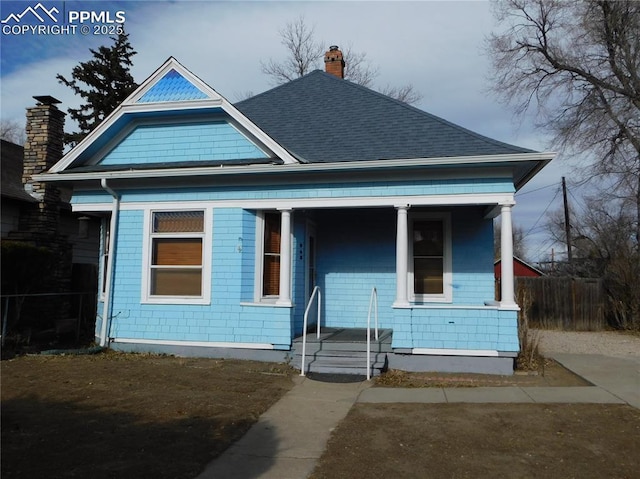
[258,297]
[207,239]
[447,279]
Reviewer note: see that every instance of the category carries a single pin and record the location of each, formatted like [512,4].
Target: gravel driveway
[608,343]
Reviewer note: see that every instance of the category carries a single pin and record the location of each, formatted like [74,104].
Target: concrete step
[348,336]
[342,366]
[342,351]
[324,353]
[342,347]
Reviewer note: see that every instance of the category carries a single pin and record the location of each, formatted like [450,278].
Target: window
[177,261]
[430,258]
[271,254]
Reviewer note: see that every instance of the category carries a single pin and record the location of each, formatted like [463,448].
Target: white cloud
[435,46]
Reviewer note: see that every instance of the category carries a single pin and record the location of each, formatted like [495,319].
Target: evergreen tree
[103,82]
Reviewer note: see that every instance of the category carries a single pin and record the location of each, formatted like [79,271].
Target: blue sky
[435,46]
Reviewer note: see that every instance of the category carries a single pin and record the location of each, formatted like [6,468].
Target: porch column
[402,253]
[284,297]
[506,256]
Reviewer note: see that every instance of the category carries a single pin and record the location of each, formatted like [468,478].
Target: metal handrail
[316,292]
[373,301]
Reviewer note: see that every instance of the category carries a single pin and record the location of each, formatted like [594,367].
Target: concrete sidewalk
[290,437]
[615,381]
[618,376]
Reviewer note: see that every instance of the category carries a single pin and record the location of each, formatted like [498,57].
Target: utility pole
[567,223]
[567,229]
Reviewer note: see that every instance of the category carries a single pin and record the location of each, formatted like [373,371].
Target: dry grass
[128,415]
[529,357]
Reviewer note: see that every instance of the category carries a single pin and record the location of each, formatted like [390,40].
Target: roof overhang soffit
[388,167]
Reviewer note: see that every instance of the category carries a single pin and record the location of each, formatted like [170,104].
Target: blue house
[219,222]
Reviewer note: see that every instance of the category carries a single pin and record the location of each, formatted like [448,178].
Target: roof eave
[541,158]
[533,171]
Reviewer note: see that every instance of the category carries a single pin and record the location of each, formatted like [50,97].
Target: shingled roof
[322,119]
[12,163]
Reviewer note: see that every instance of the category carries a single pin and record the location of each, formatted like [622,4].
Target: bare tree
[406,93]
[13,131]
[519,243]
[357,68]
[305,53]
[603,244]
[577,63]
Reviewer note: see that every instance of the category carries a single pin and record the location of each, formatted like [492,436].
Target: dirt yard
[120,416]
[484,441]
[492,440]
[549,374]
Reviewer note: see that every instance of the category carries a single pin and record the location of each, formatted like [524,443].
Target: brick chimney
[334,62]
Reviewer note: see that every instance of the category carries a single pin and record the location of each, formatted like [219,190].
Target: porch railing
[373,305]
[316,295]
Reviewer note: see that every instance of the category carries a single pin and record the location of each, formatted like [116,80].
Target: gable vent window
[177,265]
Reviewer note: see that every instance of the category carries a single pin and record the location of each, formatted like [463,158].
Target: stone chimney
[43,148]
[39,223]
[45,140]
[334,62]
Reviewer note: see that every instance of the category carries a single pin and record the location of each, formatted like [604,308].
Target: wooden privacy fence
[573,304]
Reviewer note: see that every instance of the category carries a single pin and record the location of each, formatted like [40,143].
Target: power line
[537,189]
[542,214]
[543,247]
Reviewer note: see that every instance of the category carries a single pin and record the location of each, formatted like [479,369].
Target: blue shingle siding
[173,143]
[472,244]
[333,190]
[248,245]
[469,329]
[318,119]
[224,320]
[300,273]
[356,251]
[172,87]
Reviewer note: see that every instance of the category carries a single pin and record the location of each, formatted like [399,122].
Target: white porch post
[402,252]
[506,257]
[285,258]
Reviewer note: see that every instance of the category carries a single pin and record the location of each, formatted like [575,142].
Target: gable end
[172,87]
